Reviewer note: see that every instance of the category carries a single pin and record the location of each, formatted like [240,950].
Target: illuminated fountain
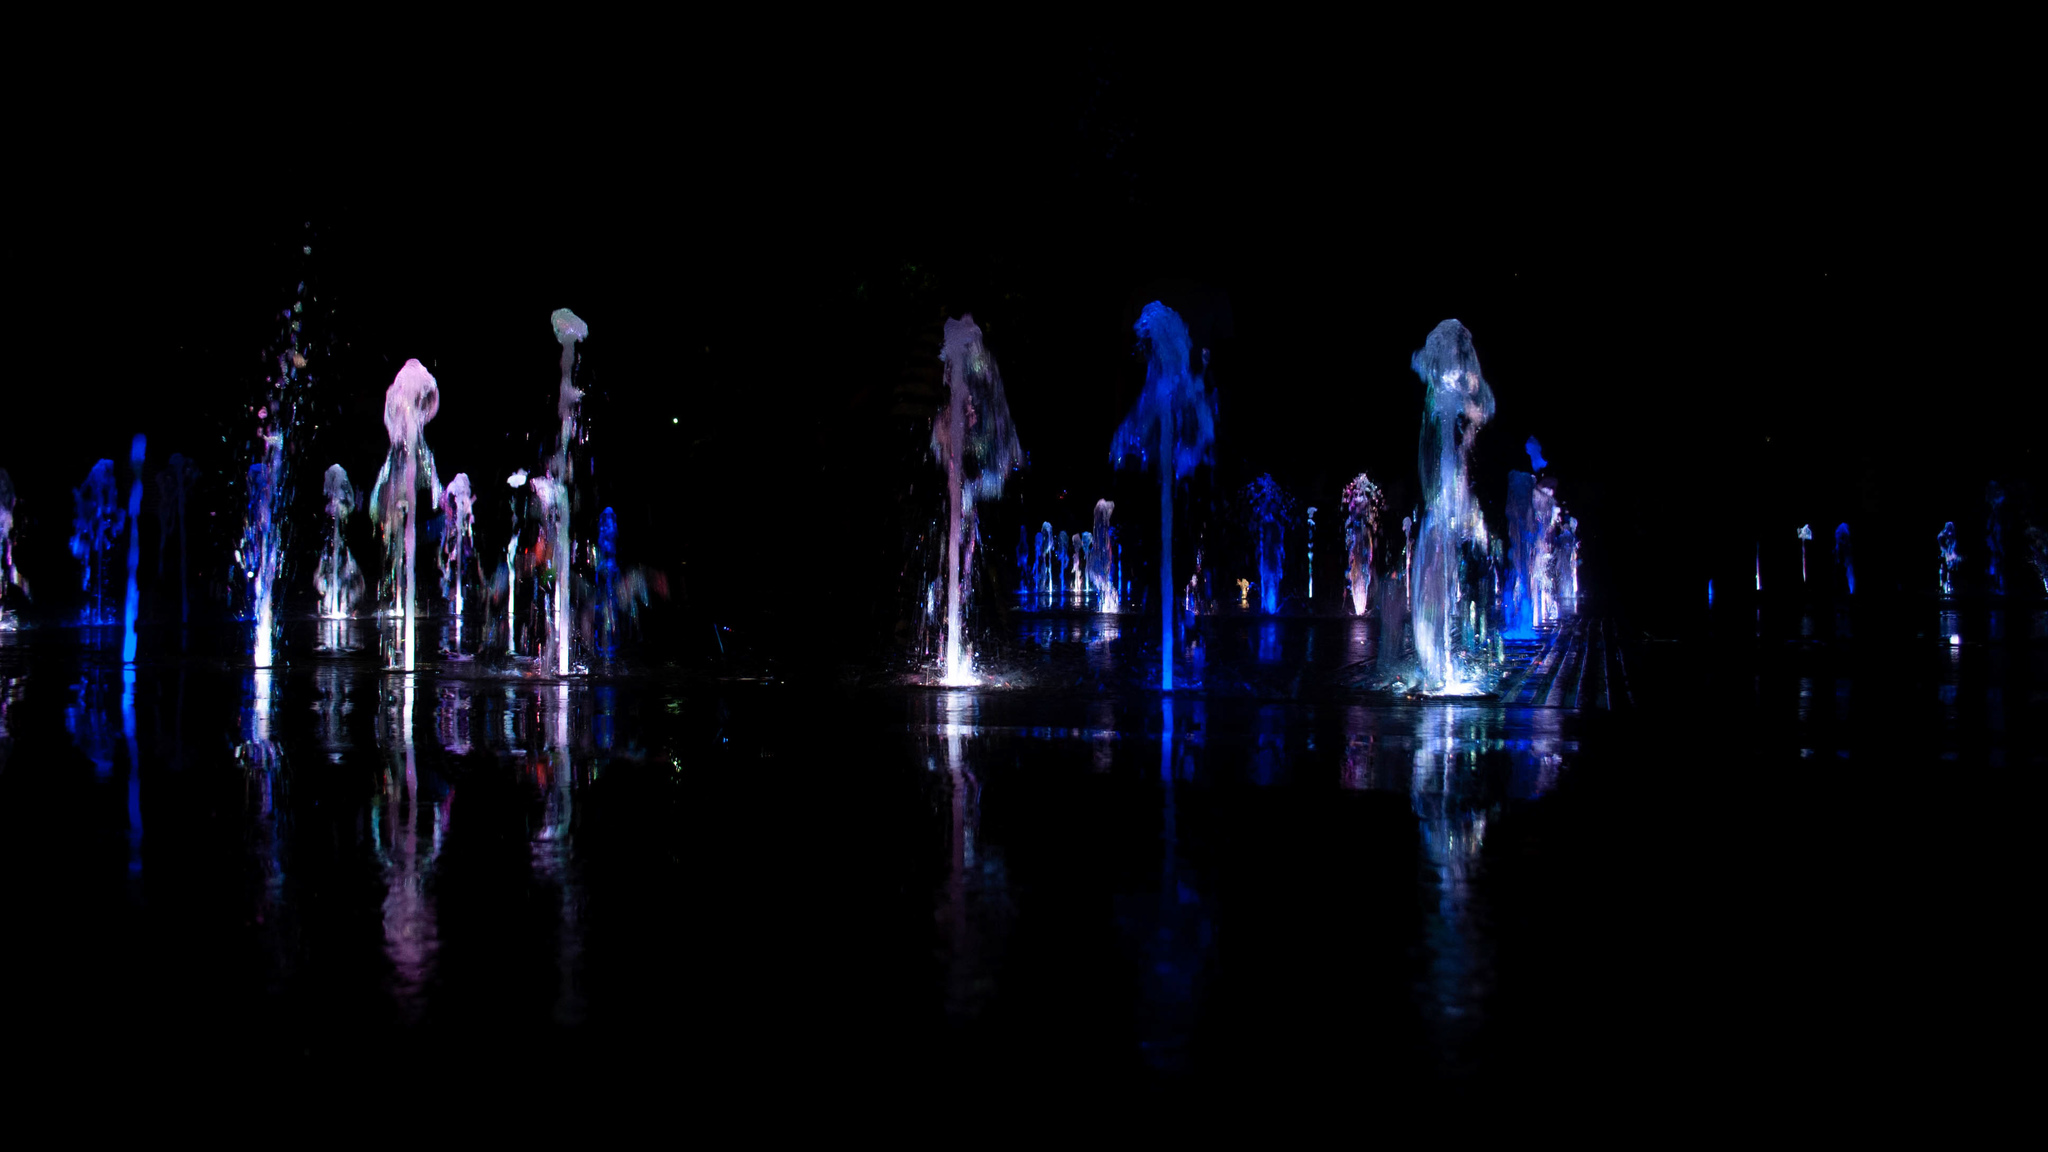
[1945,542]
[974,440]
[173,485]
[1805,533]
[458,542]
[568,331]
[1102,561]
[337,578]
[10,576]
[1172,429]
[412,400]
[1270,508]
[97,522]
[136,453]
[515,481]
[1362,506]
[1994,539]
[1456,403]
[1845,559]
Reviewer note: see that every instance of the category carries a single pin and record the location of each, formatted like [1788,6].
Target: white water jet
[1102,560]
[338,580]
[458,540]
[412,400]
[975,441]
[569,329]
[1456,403]
[1362,506]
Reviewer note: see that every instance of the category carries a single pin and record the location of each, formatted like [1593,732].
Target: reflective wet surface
[1274,886]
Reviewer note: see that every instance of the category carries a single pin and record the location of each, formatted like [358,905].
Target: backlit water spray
[1172,428]
[1456,404]
[338,580]
[412,400]
[975,441]
[569,330]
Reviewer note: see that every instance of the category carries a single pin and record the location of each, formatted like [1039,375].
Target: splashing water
[1945,542]
[337,578]
[1171,428]
[569,330]
[412,400]
[1270,509]
[1363,504]
[136,452]
[1102,561]
[10,576]
[458,542]
[97,522]
[1456,404]
[974,440]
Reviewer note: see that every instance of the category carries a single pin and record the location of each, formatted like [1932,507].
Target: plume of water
[261,553]
[1524,531]
[409,404]
[1456,404]
[136,453]
[1363,504]
[1805,533]
[97,522]
[550,504]
[1844,558]
[337,578]
[173,485]
[1269,509]
[606,572]
[458,541]
[1311,554]
[10,576]
[515,481]
[1172,428]
[569,330]
[1945,541]
[1101,560]
[976,443]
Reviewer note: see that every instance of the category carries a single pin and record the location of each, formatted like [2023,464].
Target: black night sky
[1725,308]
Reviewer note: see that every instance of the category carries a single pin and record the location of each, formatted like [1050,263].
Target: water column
[975,441]
[568,330]
[1175,417]
[1456,402]
[412,400]
[135,456]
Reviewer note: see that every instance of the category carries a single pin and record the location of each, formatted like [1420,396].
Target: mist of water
[975,441]
[1269,509]
[409,404]
[1363,504]
[1456,404]
[1102,562]
[10,576]
[336,577]
[97,520]
[1172,429]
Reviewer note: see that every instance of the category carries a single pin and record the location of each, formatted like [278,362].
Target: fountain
[262,549]
[458,541]
[606,573]
[1844,558]
[173,484]
[1311,555]
[1269,509]
[515,481]
[1174,419]
[412,400]
[1945,541]
[1805,533]
[1362,507]
[10,576]
[136,452]
[1456,403]
[1101,561]
[97,522]
[975,442]
[568,331]
[337,578]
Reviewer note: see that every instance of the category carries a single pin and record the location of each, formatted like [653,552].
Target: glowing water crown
[1173,391]
[988,450]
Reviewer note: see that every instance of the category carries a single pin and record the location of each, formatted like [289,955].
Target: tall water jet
[1311,554]
[339,581]
[262,549]
[1173,429]
[1269,509]
[458,542]
[10,576]
[1545,514]
[1845,559]
[412,400]
[515,481]
[1945,543]
[1362,506]
[550,504]
[96,523]
[1456,403]
[1102,561]
[975,441]
[136,453]
[606,573]
[173,486]
[568,331]
[1805,533]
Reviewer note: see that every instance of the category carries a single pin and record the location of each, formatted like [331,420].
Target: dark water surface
[1274,889]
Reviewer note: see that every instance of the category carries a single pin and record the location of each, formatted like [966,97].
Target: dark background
[1729,298]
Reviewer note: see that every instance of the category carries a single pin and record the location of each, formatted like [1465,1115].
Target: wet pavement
[1757,858]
